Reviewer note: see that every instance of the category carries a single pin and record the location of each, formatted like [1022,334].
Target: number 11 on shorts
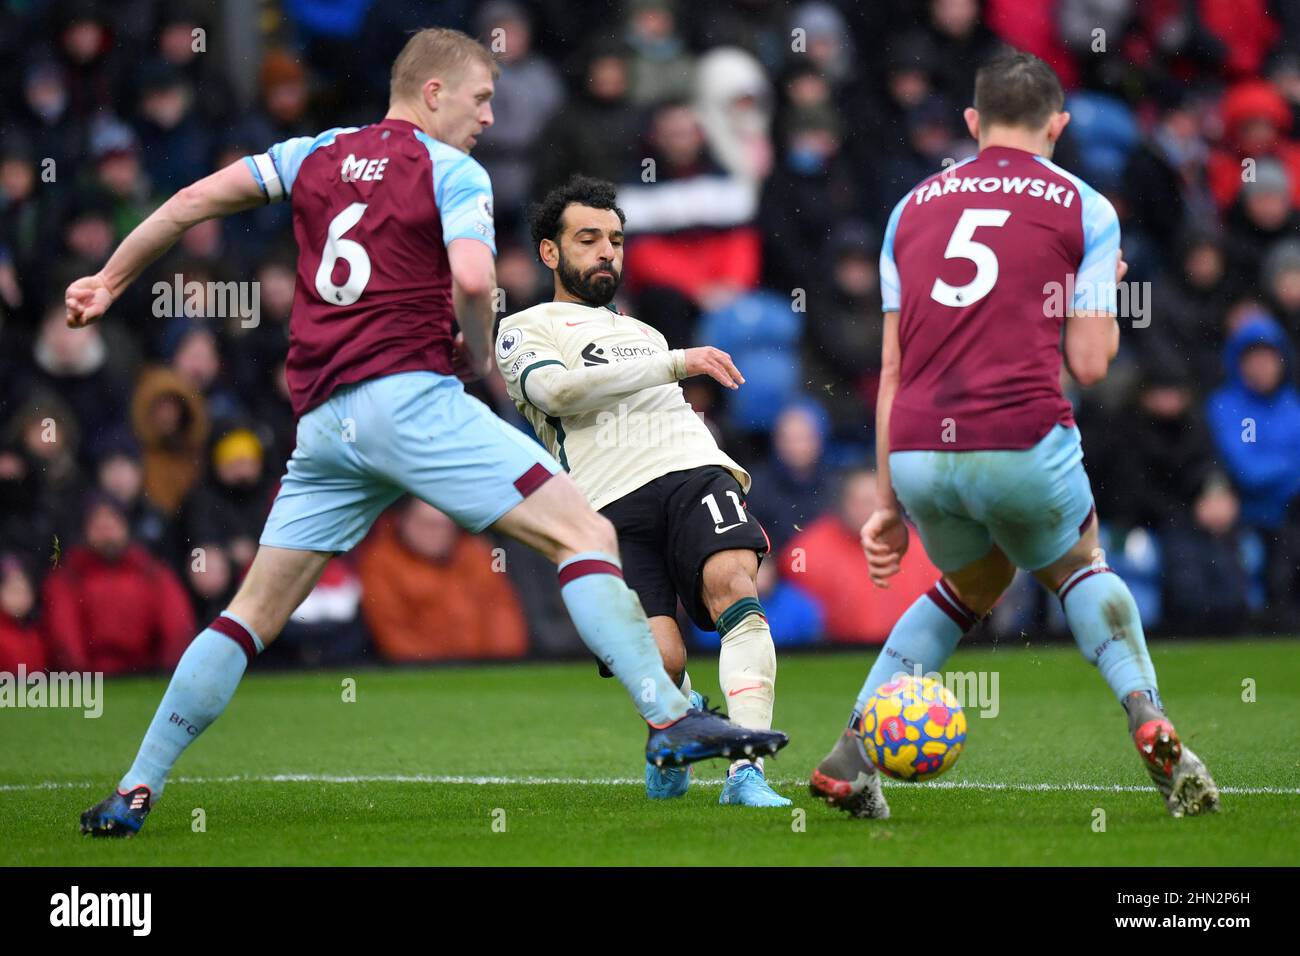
[711,502]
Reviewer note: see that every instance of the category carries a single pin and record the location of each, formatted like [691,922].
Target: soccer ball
[913,728]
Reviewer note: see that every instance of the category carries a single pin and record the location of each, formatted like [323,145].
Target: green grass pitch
[538,764]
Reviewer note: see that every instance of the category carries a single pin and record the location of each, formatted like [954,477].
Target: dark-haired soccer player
[395,242]
[600,389]
[975,440]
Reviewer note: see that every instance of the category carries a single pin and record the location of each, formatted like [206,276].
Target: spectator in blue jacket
[1255,419]
[792,488]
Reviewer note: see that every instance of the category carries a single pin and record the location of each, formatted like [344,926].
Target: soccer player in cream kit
[601,391]
[395,242]
[975,440]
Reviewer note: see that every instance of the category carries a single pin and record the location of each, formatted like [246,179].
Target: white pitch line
[628,782]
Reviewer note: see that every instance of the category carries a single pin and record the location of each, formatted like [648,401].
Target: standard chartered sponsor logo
[632,351]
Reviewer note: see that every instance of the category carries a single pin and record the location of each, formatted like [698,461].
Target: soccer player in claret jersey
[395,242]
[601,390]
[976,441]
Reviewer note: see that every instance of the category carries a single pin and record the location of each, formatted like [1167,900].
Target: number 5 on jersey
[962,245]
[351,252]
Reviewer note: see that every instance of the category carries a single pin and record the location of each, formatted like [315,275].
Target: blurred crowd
[758,147]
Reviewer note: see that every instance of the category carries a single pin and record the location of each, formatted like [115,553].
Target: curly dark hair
[544,217]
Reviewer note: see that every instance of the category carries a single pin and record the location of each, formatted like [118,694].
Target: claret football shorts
[670,526]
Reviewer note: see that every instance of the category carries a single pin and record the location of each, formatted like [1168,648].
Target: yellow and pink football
[913,729]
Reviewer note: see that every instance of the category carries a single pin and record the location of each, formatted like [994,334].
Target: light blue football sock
[201,687]
[1104,620]
[612,624]
[924,637]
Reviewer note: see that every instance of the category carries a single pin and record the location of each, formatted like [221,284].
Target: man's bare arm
[227,191]
[885,536]
[1092,338]
[473,282]
[890,363]
[1091,342]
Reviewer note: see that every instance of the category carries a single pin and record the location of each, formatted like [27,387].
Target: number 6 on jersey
[353,253]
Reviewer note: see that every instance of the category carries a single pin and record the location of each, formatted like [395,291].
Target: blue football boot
[671,782]
[701,734]
[747,787]
[119,814]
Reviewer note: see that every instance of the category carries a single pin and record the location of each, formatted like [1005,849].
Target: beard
[596,286]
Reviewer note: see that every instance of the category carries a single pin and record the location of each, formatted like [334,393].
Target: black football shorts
[669,527]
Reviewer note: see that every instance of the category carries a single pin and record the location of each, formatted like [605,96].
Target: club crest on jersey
[360,169]
[510,340]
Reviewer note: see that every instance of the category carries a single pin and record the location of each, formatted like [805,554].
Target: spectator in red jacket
[826,561]
[1256,126]
[110,606]
[690,223]
[1246,29]
[20,638]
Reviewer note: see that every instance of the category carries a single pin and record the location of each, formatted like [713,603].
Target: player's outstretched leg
[921,642]
[848,780]
[556,520]
[1181,777]
[746,666]
[205,680]
[1104,619]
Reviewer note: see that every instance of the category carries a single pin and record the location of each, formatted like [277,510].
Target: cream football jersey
[600,390]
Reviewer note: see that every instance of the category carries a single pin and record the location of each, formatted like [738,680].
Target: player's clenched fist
[884,540]
[714,363]
[86,300]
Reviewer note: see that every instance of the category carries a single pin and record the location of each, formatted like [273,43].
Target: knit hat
[236,444]
[1284,256]
[1270,177]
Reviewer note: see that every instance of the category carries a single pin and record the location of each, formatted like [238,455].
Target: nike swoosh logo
[741,690]
[583,322]
[728,527]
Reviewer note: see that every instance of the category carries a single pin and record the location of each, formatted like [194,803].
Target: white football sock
[747,672]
